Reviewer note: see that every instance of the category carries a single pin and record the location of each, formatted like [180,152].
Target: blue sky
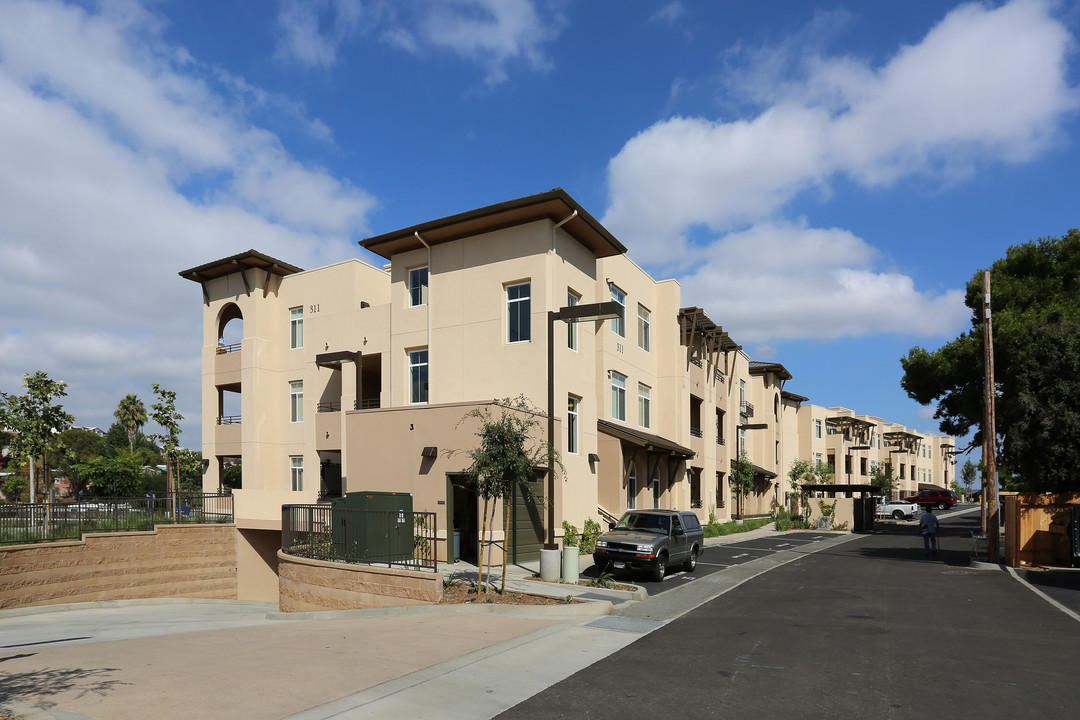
[822,177]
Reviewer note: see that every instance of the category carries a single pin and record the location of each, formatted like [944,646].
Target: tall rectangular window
[817,429]
[618,396]
[644,319]
[296,401]
[644,405]
[418,286]
[418,376]
[518,315]
[572,327]
[296,328]
[296,472]
[572,424]
[619,324]
[817,459]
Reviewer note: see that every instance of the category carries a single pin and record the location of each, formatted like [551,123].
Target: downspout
[427,300]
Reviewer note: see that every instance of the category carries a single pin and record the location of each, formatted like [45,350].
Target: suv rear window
[691,522]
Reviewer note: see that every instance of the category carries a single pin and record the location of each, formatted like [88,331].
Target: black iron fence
[41,522]
[372,537]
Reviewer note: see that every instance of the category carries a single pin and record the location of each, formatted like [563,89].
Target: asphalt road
[871,628]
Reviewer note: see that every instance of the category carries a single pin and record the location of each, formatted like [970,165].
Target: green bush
[716,529]
[589,535]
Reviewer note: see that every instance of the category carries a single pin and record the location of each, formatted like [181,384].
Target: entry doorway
[463,516]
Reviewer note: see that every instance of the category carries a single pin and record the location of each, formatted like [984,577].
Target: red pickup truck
[941,499]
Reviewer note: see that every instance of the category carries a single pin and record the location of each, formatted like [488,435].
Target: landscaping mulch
[466,593]
[587,583]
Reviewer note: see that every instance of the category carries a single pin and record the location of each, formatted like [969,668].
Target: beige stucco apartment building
[355,378]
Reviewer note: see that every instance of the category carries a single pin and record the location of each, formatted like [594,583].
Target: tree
[233,476]
[131,414]
[742,480]
[165,415]
[1036,317]
[883,480]
[805,472]
[505,460]
[77,446]
[968,473]
[189,470]
[120,476]
[33,419]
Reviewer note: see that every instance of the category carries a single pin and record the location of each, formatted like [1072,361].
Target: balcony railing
[328,407]
[696,432]
[720,440]
[367,404]
[226,349]
[22,523]
[368,537]
[228,420]
[719,376]
[695,361]
[746,408]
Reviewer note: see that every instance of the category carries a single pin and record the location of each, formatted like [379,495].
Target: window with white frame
[296,401]
[817,429]
[572,424]
[631,488]
[418,286]
[572,299]
[618,325]
[518,315]
[296,328]
[817,459]
[418,376]
[618,396]
[644,405]
[296,472]
[644,321]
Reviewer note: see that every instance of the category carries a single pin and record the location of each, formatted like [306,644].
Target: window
[518,316]
[296,328]
[719,490]
[571,327]
[296,401]
[296,472]
[572,424]
[619,324]
[817,429]
[631,488]
[418,376]
[817,459]
[618,396]
[644,318]
[656,488]
[644,402]
[418,286]
[742,395]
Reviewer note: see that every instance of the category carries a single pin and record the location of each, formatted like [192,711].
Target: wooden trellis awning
[700,333]
[902,440]
[858,430]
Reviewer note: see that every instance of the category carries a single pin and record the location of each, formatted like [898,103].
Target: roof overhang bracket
[243,276]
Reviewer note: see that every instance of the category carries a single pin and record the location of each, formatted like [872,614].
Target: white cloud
[492,33]
[669,13]
[983,86]
[120,165]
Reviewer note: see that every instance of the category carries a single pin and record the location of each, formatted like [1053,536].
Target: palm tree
[131,414]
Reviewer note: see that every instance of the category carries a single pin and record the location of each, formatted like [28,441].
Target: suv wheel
[691,562]
[898,514]
[941,506]
[660,567]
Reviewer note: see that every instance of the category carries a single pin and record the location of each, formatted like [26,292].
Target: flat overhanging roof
[760,368]
[555,205]
[758,470]
[239,263]
[653,443]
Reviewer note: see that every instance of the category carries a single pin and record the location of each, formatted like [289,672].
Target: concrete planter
[549,565]
[571,564]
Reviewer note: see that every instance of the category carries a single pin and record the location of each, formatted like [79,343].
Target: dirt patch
[466,593]
[589,583]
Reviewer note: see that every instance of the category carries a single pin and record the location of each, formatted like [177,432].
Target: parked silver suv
[650,540]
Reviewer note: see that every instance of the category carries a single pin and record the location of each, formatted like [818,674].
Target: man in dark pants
[928,525]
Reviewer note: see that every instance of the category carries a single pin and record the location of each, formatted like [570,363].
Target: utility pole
[989,494]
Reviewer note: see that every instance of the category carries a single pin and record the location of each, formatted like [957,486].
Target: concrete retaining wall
[307,585]
[194,561]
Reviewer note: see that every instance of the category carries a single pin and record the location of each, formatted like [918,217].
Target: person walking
[928,525]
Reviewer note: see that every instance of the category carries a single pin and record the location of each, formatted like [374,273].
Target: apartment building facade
[353,378]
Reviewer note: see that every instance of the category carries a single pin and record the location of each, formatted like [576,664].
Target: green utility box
[373,527]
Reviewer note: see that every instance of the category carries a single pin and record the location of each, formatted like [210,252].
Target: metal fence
[371,537]
[39,522]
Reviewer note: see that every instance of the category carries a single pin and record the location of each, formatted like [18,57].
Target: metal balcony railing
[696,432]
[720,440]
[746,408]
[228,420]
[328,407]
[226,349]
[695,361]
[367,404]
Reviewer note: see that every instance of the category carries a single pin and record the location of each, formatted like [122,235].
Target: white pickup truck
[898,509]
